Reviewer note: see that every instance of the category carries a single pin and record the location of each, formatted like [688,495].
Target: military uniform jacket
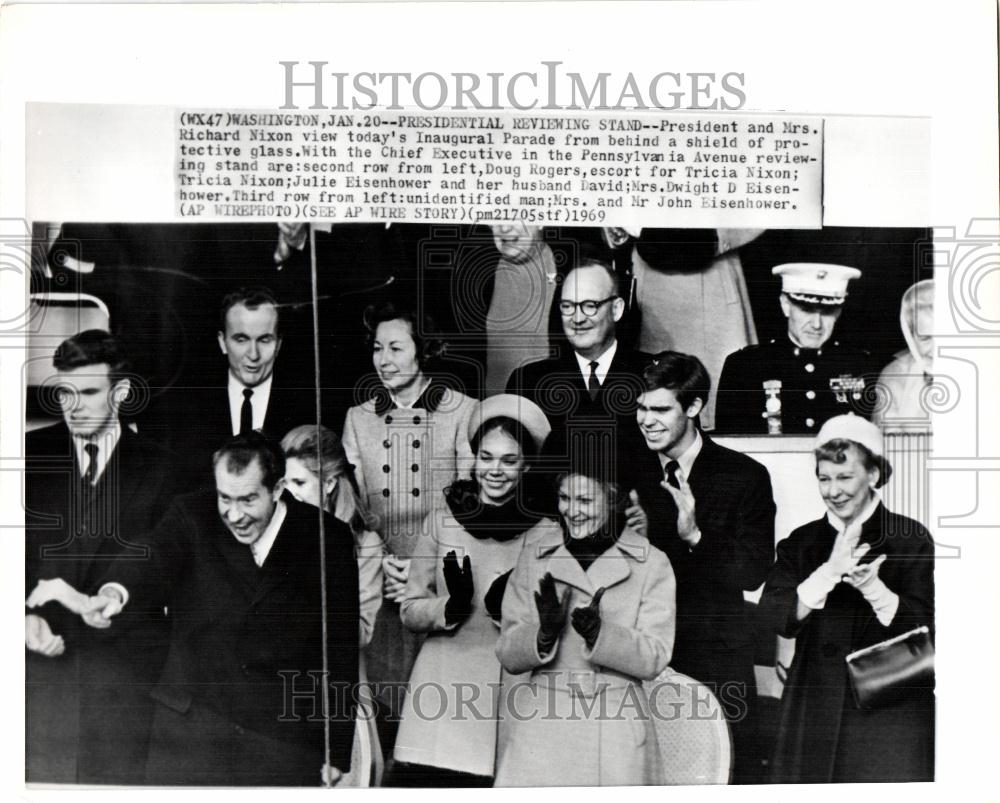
[816,384]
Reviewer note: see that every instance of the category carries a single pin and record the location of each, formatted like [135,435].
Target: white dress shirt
[106,441]
[258,402]
[603,364]
[686,460]
[261,548]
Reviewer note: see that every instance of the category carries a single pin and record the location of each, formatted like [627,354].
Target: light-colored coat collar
[607,570]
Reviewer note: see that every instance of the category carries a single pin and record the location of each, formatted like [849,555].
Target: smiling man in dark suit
[588,388]
[255,396]
[239,567]
[91,484]
[712,511]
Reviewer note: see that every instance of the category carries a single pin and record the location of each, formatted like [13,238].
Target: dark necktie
[593,385]
[91,472]
[671,473]
[246,412]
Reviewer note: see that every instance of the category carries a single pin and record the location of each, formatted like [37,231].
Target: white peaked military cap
[520,409]
[850,427]
[815,282]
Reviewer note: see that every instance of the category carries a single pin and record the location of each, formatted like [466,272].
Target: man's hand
[38,637]
[291,237]
[101,608]
[687,525]
[635,516]
[397,572]
[586,620]
[59,590]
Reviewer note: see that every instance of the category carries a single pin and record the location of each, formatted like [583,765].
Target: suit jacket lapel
[124,474]
[238,557]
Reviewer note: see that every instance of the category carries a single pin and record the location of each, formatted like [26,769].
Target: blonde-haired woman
[317,472]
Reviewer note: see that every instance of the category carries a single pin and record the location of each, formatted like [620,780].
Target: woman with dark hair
[407,442]
[589,613]
[857,577]
[454,593]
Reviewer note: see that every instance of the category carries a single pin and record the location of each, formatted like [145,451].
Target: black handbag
[892,670]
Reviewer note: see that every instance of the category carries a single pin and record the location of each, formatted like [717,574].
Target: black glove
[494,597]
[551,612]
[587,619]
[460,589]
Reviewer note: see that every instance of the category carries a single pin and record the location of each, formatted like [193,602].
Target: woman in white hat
[856,577]
[456,583]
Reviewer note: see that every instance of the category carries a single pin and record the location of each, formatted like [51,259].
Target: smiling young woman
[454,596]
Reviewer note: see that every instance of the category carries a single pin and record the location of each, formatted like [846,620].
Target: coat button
[385,469]
[810,367]
[810,394]
[810,422]
[416,492]
[416,419]
[387,443]
[385,492]
[388,419]
[416,444]
[415,468]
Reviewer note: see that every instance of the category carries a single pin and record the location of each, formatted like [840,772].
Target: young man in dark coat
[91,485]
[712,511]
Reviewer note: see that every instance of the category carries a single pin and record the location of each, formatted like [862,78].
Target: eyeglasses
[588,307]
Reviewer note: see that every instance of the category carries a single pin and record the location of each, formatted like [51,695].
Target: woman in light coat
[407,442]
[448,732]
[589,613]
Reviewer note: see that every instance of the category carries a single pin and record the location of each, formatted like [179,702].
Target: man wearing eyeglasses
[590,384]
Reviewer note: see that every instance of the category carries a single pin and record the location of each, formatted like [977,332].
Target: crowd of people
[226,590]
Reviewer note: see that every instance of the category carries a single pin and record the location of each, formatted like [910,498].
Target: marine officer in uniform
[792,385]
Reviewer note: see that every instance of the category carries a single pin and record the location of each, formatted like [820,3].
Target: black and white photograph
[499,396]
[521,438]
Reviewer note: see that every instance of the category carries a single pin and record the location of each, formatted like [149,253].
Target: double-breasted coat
[822,736]
[450,711]
[403,458]
[582,717]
